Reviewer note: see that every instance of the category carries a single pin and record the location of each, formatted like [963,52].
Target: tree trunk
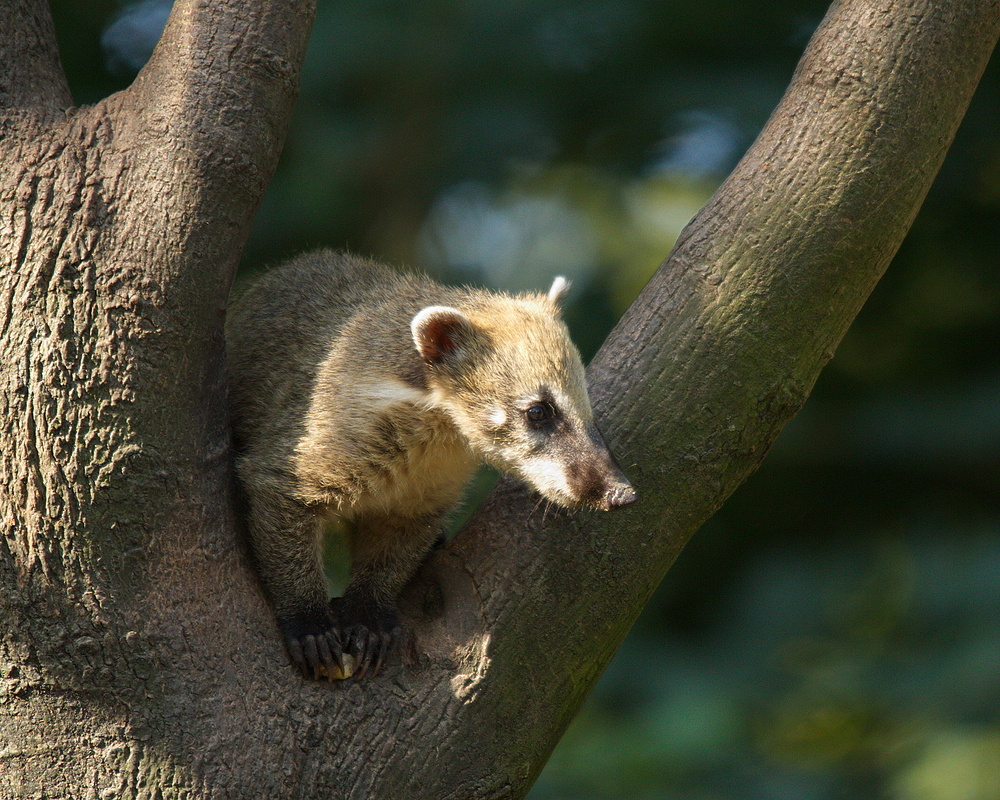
[138,657]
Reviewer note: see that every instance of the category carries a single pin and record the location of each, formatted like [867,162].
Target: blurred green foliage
[834,632]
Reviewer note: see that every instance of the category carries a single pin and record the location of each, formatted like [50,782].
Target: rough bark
[137,656]
[121,226]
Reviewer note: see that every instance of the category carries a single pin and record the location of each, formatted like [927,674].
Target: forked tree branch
[140,659]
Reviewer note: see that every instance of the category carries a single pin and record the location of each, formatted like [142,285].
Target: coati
[370,396]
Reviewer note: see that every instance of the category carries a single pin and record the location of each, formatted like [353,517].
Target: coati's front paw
[314,645]
[367,636]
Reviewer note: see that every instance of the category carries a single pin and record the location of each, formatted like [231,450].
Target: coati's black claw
[311,652]
[370,649]
[328,647]
[317,656]
[356,646]
[386,644]
[314,645]
[294,648]
[367,637]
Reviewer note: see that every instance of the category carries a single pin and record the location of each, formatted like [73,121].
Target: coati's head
[506,372]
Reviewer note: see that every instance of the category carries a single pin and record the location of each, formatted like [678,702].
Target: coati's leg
[385,553]
[286,543]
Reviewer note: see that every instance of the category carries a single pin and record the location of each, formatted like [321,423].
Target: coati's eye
[537,413]
[540,414]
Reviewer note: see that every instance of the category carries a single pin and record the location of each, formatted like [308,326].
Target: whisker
[540,500]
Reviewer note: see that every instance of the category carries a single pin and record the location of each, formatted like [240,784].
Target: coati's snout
[593,477]
[577,474]
[612,494]
[555,448]
[618,496]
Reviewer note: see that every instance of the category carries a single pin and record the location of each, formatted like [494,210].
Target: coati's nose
[619,495]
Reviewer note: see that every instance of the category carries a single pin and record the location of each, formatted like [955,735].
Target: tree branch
[212,105]
[719,351]
[32,74]
[139,651]
[123,224]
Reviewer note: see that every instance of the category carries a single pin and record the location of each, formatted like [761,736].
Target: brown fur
[369,396]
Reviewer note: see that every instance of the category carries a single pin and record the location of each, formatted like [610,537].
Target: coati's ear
[558,291]
[438,331]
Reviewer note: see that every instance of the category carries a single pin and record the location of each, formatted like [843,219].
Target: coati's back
[371,395]
[280,329]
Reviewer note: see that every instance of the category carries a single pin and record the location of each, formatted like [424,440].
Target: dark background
[833,631]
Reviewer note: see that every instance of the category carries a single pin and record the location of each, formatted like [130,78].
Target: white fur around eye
[548,476]
[497,417]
